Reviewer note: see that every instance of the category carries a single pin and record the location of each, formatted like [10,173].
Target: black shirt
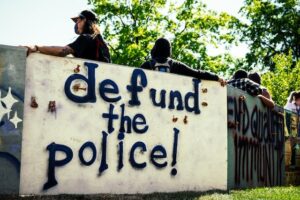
[180,68]
[87,47]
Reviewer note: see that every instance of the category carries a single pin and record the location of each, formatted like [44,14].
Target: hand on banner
[222,82]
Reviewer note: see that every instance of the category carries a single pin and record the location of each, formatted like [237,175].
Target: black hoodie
[161,53]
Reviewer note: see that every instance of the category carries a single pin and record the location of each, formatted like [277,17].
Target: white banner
[92,127]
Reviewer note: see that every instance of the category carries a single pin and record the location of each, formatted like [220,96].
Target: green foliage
[132,26]
[284,79]
[272,28]
[194,29]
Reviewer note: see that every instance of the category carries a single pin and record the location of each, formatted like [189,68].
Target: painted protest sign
[98,128]
[102,128]
[12,79]
[292,152]
[255,142]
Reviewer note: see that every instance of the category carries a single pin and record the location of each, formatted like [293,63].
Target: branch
[114,50]
[185,25]
[134,20]
[121,21]
[264,43]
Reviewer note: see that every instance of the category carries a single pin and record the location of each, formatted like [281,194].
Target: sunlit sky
[47,22]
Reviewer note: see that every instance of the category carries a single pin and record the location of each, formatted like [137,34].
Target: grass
[274,193]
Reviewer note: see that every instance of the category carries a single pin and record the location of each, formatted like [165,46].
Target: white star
[3,111]
[9,100]
[15,120]
[11,66]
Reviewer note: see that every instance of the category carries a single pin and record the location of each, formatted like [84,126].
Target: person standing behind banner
[240,80]
[161,61]
[293,103]
[88,45]
[265,96]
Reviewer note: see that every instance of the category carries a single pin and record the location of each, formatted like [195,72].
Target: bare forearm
[55,50]
[267,102]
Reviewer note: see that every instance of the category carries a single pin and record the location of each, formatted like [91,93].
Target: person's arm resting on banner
[52,50]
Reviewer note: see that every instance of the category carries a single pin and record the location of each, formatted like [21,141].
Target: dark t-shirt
[87,47]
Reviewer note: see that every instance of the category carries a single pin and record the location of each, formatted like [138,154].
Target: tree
[272,28]
[194,29]
[132,26]
[284,79]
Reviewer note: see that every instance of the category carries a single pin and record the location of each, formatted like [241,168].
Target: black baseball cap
[86,14]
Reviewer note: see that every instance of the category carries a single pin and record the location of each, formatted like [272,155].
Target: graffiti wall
[292,148]
[91,127]
[12,79]
[292,124]
[255,142]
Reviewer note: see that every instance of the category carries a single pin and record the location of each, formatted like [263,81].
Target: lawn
[274,193]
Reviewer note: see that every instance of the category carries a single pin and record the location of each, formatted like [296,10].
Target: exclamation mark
[121,137]
[174,155]
[103,165]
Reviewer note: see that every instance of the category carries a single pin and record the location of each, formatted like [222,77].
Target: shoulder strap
[152,63]
[170,61]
